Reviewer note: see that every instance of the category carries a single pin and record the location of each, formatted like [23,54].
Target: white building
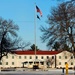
[43,59]
[63,57]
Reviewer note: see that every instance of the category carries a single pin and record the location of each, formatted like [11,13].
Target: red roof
[37,52]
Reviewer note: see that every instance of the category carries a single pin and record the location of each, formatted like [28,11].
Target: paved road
[50,72]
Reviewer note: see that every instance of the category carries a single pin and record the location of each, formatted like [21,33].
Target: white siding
[19,59]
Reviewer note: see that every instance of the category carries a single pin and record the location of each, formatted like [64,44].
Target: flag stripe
[38,17]
[38,10]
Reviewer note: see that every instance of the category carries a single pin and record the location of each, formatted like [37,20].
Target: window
[65,57]
[52,57]
[42,63]
[59,63]
[30,57]
[12,57]
[65,62]
[59,57]
[6,63]
[36,57]
[12,63]
[71,63]
[71,57]
[41,57]
[47,57]
[24,57]
[19,57]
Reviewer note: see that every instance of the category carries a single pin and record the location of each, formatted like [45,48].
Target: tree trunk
[55,61]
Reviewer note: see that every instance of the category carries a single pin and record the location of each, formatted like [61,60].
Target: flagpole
[35,30]
[35,16]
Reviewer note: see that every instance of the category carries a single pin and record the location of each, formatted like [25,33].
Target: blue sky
[22,13]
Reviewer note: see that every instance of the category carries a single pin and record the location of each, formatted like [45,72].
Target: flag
[38,17]
[38,10]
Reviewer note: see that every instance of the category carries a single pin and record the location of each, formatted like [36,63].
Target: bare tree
[50,61]
[61,21]
[56,46]
[8,37]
